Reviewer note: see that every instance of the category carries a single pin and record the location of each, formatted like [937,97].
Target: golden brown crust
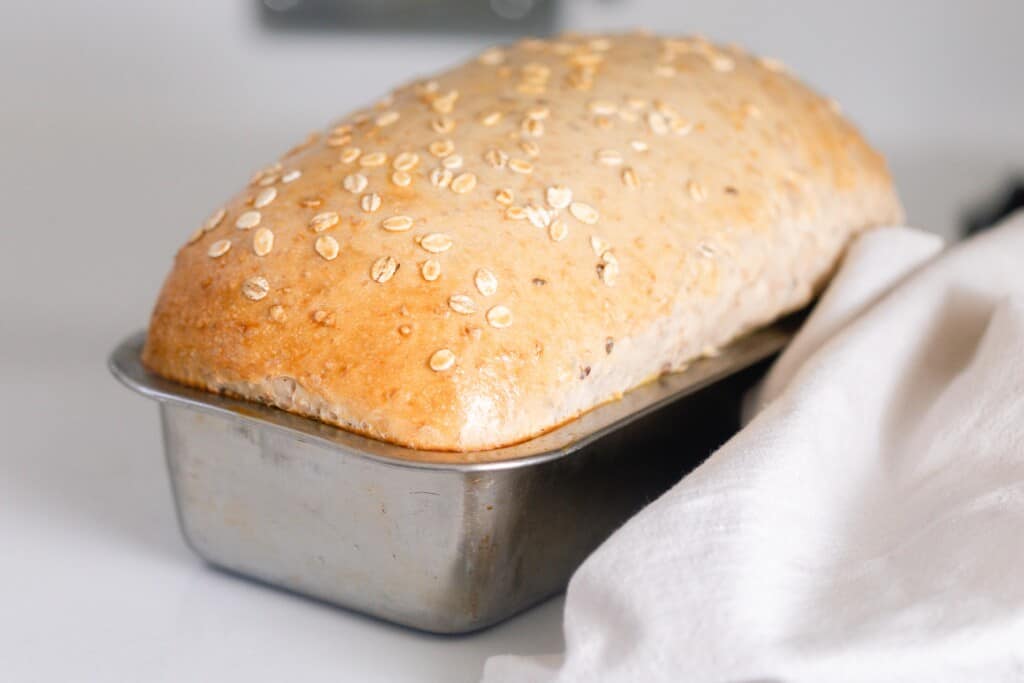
[677,194]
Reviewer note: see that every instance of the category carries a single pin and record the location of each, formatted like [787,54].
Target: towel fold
[867,524]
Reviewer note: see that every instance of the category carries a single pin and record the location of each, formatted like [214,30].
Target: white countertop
[123,124]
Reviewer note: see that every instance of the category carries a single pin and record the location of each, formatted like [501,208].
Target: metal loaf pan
[415,537]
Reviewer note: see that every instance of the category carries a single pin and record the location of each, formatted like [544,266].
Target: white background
[124,123]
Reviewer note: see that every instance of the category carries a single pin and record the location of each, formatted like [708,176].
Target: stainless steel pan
[410,536]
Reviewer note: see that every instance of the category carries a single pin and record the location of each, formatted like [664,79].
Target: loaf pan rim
[126,366]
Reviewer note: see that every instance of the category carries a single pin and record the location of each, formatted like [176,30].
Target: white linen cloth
[866,525]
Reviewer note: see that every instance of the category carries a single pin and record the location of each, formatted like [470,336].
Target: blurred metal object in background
[427,16]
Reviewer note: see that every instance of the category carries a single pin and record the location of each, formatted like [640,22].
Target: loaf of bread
[483,255]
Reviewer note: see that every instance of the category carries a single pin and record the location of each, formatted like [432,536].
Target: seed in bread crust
[397,223]
[445,103]
[261,176]
[339,140]
[515,213]
[441,177]
[496,158]
[453,161]
[534,127]
[697,192]
[464,183]
[520,166]
[196,236]
[722,63]
[772,64]
[383,269]
[327,247]
[401,178]
[681,126]
[584,213]
[219,248]
[486,282]
[386,119]
[441,148]
[629,177]
[262,242]
[256,288]
[265,197]
[324,221]
[291,176]
[349,154]
[431,269]
[491,118]
[530,148]
[657,123]
[538,216]
[598,245]
[460,303]
[609,157]
[370,202]
[504,196]
[537,113]
[373,159]
[492,56]
[214,220]
[639,145]
[442,125]
[602,107]
[248,220]
[608,272]
[441,360]
[559,196]
[436,242]
[558,230]
[499,316]
[355,183]
[406,161]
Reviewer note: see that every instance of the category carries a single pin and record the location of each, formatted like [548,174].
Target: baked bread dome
[488,253]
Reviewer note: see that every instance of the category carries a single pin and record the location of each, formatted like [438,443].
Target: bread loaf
[485,254]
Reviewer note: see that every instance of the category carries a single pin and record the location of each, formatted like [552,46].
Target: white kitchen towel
[866,525]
